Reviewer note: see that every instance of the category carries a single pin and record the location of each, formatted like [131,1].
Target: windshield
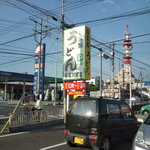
[147,121]
[83,108]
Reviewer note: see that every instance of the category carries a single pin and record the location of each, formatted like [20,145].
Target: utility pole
[62,30]
[113,68]
[101,55]
[39,41]
[39,70]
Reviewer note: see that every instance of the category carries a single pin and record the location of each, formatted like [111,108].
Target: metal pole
[141,84]
[148,86]
[112,59]
[100,73]
[24,87]
[130,86]
[5,90]
[67,103]
[12,90]
[119,83]
[56,72]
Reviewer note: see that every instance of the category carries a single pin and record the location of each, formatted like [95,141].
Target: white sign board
[76,54]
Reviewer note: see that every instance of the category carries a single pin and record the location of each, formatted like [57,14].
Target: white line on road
[7,135]
[53,146]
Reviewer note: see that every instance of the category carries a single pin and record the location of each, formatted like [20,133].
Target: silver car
[142,138]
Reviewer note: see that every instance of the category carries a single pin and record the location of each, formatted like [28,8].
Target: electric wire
[123,15]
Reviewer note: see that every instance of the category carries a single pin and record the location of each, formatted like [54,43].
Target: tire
[71,144]
[145,113]
[105,144]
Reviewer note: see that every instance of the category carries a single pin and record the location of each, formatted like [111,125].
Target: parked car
[98,122]
[134,100]
[142,138]
[145,110]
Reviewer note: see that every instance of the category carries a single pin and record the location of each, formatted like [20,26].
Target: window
[127,115]
[147,121]
[83,108]
[113,111]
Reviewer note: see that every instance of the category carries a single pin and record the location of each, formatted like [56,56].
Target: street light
[55,99]
[105,56]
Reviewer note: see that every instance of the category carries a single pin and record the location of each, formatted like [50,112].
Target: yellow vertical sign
[87,54]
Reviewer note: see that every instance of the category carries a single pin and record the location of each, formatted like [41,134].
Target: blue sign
[146,83]
[39,70]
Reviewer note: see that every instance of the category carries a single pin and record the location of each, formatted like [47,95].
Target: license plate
[78,140]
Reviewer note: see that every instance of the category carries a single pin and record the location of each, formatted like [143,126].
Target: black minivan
[98,122]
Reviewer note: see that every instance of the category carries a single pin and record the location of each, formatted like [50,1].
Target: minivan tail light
[94,130]
[66,132]
[93,138]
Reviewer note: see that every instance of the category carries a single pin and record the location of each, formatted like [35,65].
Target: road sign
[146,83]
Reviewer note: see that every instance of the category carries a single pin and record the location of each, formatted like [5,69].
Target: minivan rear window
[83,108]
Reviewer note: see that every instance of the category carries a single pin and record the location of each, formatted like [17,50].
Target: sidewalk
[14,102]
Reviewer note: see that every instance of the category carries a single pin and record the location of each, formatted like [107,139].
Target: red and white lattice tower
[127,55]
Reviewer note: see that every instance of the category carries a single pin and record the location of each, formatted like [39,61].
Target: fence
[37,116]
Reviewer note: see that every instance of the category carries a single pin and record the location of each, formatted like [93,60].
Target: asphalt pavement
[46,139]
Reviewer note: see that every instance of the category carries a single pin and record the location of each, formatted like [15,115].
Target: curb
[36,126]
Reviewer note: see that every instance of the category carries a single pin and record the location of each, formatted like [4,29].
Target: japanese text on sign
[75,92]
[74,85]
[76,54]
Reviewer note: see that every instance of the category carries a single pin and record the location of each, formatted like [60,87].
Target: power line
[132,37]
[123,15]
[104,44]
[19,60]
[21,38]
[140,42]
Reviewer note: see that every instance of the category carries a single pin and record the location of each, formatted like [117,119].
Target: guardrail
[37,116]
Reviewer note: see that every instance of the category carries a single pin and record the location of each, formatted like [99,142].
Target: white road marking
[53,146]
[7,135]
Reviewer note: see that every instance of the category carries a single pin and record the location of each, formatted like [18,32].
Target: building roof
[21,77]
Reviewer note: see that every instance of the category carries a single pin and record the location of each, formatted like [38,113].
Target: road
[46,139]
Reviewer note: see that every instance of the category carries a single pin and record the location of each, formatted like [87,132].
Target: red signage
[75,85]
[75,92]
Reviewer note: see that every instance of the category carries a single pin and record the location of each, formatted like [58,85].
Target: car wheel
[145,113]
[105,144]
[71,144]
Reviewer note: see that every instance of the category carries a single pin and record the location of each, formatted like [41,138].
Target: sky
[17,26]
